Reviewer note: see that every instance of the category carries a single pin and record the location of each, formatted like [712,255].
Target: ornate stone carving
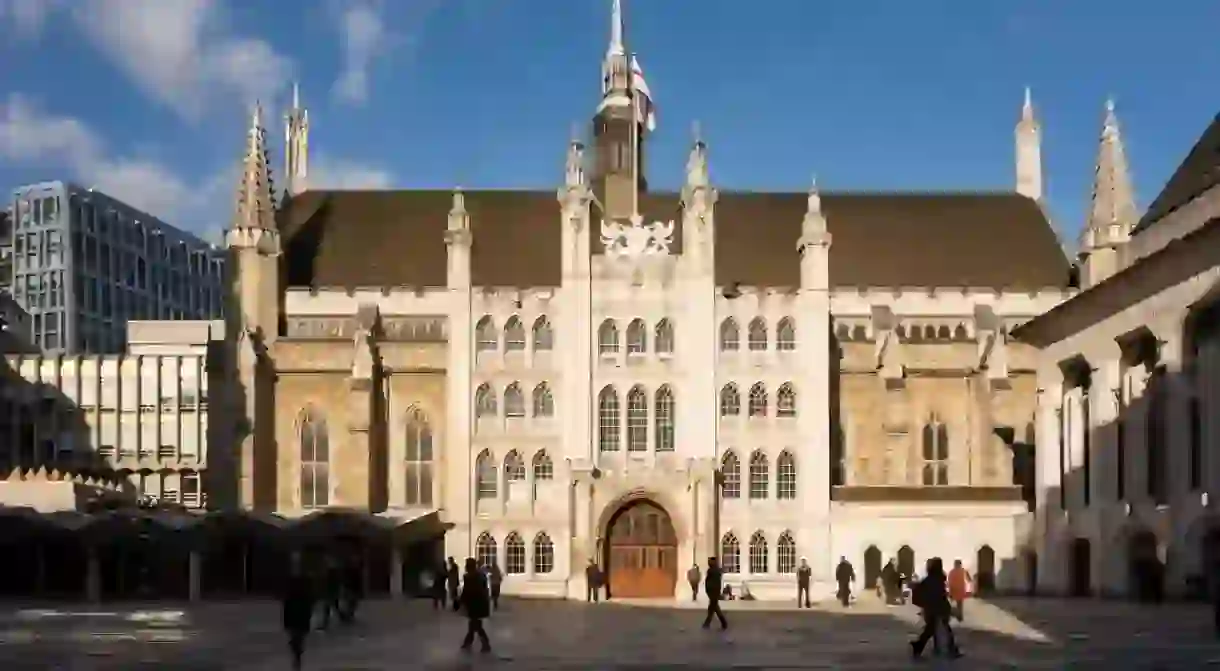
[635,239]
[887,347]
[365,355]
[414,329]
[320,327]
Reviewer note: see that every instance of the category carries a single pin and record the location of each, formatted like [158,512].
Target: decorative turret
[698,204]
[255,208]
[1029,151]
[814,243]
[459,240]
[1112,213]
[296,146]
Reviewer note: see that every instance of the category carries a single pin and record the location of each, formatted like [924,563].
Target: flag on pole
[646,111]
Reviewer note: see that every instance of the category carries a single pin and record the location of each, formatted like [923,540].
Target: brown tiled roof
[1198,172]
[396,238]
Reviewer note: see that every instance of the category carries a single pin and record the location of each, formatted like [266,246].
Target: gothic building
[604,372]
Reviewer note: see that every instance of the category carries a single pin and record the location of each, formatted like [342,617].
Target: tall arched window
[758,335]
[543,401]
[758,400]
[785,335]
[730,554]
[484,402]
[514,335]
[315,459]
[544,554]
[663,338]
[609,434]
[485,473]
[485,549]
[730,335]
[760,477]
[785,476]
[607,338]
[543,468]
[514,467]
[514,554]
[758,553]
[785,554]
[935,453]
[785,401]
[664,419]
[637,420]
[418,460]
[730,401]
[486,339]
[514,401]
[637,337]
[730,472]
[544,335]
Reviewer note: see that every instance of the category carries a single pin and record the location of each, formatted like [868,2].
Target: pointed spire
[1027,109]
[255,202]
[815,198]
[616,30]
[696,164]
[296,145]
[1029,151]
[814,223]
[459,217]
[1113,194]
[574,168]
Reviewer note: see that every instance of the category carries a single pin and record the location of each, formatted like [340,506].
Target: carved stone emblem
[635,239]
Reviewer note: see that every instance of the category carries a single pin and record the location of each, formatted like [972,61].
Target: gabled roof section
[1198,172]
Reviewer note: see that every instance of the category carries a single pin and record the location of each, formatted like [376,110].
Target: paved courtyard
[557,636]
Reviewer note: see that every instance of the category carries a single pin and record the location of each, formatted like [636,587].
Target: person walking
[693,577]
[332,591]
[439,594]
[475,598]
[713,583]
[298,605]
[593,582]
[495,578]
[959,589]
[803,575]
[931,597]
[452,581]
[891,583]
[845,575]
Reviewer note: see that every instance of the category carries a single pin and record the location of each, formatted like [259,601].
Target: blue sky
[148,98]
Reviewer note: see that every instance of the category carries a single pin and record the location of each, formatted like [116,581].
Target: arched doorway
[984,571]
[872,567]
[1144,569]
[906,561]
[1080,568]
[641,553]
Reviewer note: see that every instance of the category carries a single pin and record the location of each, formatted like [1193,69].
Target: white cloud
[362,35]
[182,53]
[326,172]
[27,17]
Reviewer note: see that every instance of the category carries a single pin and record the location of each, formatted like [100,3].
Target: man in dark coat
[453,580]
[332,591]
[476,599]
[495,578]
[931,596]
[353,587]
[803,575]
[298,606]
[693,577]
[845,575]
[891,583]
[713,583]
[439,577]
[593,582]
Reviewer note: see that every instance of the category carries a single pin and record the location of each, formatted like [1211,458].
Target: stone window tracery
[785,335]
[760,476]
[730,335]
[544,469]
[544,554]
[514,401]
[785,477]
[785,401]
[514,467]
[485,336]
[758,400]
[758,335]
[514,554]
[730,401]
[544,335]
[663,338]
[484,402]
[514,335]
[935,453]
[637,337]
[315,459]
[664,419]
[608,421]
[730,472]
[730,554]
[543,401]
[785,554]
[758,553]
[607,338]
[637,420]
[485,473]
[485,549]
[418,460]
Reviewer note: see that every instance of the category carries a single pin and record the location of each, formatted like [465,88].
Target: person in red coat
[959,588]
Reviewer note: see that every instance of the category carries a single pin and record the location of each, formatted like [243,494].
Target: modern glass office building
[83,263]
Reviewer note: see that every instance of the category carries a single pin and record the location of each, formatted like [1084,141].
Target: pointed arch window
[486,339]
[785,335]
[730,401]
[485,474]
[663,338]
[785,554]
[637,337]
[485,550]
[760,476]
[544,335]
[637,420]
[514,401]
[664,419]
[730,554]
[514,335]
[609,434]
[514,467]
[758,335]
[419,457]
[935,453]
[785,401]
[758,553]
[544,554]
[785,476]
[543,401]
[544,469]
[514,554]
[315,459]
[730,335]
[758,400]
[484,402]
[607,338]
[730,476]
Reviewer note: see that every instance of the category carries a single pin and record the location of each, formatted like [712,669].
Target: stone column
[396,562]
[93,576]
[1176,404]
[194,575]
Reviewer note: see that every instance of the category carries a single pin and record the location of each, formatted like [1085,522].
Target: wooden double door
[642,553]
